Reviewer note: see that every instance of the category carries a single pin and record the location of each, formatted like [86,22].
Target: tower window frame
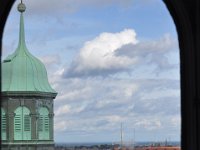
[22,124]
[43,124]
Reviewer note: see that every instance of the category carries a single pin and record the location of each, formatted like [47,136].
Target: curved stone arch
[22,123]
[19,104]
[43,123]
[3,124]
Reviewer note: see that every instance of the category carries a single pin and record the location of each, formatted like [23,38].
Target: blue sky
[110,61]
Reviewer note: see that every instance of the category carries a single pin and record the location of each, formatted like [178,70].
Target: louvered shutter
[27,123]
[18,124]
[43,125]
[22,124]
[46,123]
[3,125]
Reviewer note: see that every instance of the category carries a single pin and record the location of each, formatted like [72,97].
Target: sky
[111,62]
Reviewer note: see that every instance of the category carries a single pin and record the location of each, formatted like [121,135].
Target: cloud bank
[95,106]
[97,56]
[111,53]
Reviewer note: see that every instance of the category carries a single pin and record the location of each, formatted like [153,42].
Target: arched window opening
[3,124]
[107,69]
[178,14]
[22,124]
[43,125]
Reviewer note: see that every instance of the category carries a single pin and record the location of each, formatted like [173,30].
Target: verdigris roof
[21,71]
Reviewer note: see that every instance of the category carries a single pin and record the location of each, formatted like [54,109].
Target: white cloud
[151,51]
[98,56]
[112,53]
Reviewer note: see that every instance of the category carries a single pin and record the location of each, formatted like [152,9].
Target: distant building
[27,105]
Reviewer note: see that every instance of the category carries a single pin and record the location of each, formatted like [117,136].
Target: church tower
[27,100]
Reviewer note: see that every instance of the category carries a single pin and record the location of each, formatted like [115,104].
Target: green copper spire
[21,71]
[21,8]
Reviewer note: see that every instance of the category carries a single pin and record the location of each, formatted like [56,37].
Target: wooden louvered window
[27,122]
[22,124]
[43,124]
[46,123]
[3,125]
[18,123]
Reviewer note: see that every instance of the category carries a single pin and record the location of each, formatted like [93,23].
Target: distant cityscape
[116,146]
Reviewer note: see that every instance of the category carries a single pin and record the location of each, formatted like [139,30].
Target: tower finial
[21,7]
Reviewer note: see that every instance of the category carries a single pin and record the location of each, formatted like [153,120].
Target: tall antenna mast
[121,137]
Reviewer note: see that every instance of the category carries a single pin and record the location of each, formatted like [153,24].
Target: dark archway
[186,15]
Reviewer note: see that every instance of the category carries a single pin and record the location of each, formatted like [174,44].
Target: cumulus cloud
[165,43]
[97,56]
[151,51]
[110,53]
